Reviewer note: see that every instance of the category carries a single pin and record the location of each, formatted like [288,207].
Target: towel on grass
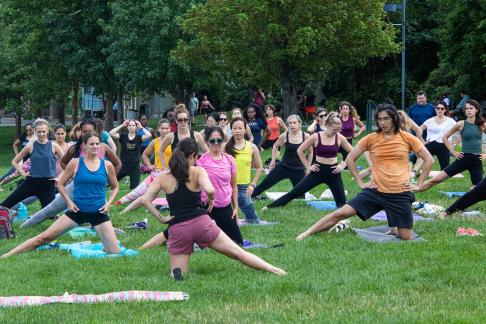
[322,204]
[243,222]
[453,194]
[378,234]
[88,250]
[381,217]
[277,194]
[120,296]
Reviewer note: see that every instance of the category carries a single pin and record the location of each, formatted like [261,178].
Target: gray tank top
[471,138]
[43,161]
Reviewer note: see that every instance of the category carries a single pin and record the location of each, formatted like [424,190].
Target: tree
[284,43]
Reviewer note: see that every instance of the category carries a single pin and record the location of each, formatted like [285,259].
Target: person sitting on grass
[190,222]
[389,149]
[90,175]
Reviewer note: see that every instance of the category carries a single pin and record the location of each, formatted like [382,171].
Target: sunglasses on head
[180,120]
[216,140]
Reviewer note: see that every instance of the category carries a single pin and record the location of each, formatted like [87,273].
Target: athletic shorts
[182,236]
[470,162]
[94,218]
[398,206]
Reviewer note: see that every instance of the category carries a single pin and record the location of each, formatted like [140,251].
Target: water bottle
[23,213]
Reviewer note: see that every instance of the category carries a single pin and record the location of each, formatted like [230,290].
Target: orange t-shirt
[389,158]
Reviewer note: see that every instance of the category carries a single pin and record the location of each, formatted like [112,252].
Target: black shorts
[398,206]
[94,218]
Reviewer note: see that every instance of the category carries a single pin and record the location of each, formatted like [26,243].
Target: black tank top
[291,158]
[184,204]
[176,139]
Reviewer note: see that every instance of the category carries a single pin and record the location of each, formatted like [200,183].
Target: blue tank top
[43,161]
[90,187]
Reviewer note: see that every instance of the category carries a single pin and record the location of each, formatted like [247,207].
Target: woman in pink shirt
[221,169]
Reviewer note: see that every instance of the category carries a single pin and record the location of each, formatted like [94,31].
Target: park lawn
[332,277]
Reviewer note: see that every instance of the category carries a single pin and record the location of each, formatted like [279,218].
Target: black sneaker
[177,273]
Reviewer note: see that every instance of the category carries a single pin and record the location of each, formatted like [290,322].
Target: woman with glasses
[183,131]
[257,123]
[349,120]
[39,181]
[223,123]
[274,124]
[318,124]
[326,170]
[436,127]
[290,167]
[471,157]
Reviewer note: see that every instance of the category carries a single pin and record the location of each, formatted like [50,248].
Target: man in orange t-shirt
[389,149]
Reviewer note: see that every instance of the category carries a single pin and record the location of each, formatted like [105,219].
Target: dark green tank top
[471,138]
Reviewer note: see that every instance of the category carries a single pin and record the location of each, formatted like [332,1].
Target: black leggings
[132,170]
[42,188]
[478,193]
[441,151]
[279,173]
[313,179]
[224,220]
[343,152]
[268,144]
[470,162]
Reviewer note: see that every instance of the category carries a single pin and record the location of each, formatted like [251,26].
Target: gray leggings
[56,206]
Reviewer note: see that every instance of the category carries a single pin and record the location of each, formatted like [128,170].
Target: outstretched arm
[151,193]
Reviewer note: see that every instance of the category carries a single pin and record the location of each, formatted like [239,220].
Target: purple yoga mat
[381,217]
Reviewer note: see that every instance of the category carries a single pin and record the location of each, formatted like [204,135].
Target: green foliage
[283,43]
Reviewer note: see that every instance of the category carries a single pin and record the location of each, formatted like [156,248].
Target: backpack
[6,229]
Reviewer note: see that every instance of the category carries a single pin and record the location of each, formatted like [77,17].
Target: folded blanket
[125,296]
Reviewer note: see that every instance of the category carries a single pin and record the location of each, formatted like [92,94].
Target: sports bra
[327,151]
[175,142]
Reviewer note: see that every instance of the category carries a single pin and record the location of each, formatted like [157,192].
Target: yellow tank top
[243,164]
[167,153]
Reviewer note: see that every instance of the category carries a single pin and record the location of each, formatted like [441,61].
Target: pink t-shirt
[219,172]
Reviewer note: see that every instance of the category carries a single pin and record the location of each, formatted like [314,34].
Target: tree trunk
[18,121]
[74,102]
[289,97]
[62,112]
[56,111]
[119,101]
[109,113]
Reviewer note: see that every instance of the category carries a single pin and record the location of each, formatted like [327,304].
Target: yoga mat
[327,194]
[88,250]
[377,234]
[453,194]
[277,194]
[251,245]
[242,222]
[381,217]
[119,296]
[434,173]
[322,205]
[81,231]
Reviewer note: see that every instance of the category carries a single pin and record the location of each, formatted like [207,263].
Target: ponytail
[178,163]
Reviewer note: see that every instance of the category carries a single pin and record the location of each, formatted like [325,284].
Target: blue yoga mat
[453,194]
[80,231]
[322,205]
[88,250]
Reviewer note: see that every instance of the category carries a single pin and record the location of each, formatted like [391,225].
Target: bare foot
[441,215]
[278,271]
[302,236]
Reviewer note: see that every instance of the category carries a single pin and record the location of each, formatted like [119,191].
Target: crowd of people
[208,176]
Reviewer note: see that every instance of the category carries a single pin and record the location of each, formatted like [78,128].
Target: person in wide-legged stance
[389,149]
[190,222]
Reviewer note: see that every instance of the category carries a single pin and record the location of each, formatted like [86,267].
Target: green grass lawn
[332,277]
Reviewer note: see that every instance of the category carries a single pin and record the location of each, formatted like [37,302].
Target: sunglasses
[216,140]
[440,108]
[321,115]
[223,119]
[180,120]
